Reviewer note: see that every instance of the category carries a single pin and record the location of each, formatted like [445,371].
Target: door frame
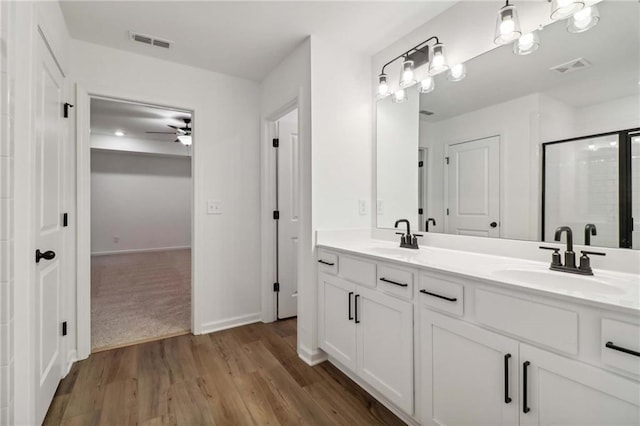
[268,205]
[83,209]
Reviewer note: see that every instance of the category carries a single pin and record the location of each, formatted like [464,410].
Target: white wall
[225,166]
[139,202]
[129,144]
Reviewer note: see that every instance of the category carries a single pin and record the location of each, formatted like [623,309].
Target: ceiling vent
[427,113]
[571,66]
[151,41]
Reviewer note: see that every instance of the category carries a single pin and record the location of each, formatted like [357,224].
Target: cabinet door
[561,391]
[469,376]
[337,331]
[385,345]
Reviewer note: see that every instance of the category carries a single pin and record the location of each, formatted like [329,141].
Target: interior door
[385,345]
[635,191]
[288,206]
[469,375]
[473,186]
[49,139]
[561,391]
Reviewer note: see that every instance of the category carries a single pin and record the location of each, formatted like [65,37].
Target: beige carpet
[139,296]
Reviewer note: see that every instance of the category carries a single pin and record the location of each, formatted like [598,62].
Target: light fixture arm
[410,51]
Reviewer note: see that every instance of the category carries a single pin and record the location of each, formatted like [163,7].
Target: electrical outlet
[362,207]
[214,207]
[380,207]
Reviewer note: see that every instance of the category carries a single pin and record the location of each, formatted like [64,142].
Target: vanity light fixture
[118,133]
[507,24]
[426,85]
[527,43]
[583,20]
[561,9]
[412,59]
[457,72]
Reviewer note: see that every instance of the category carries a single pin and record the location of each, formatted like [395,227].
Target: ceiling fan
[183,133]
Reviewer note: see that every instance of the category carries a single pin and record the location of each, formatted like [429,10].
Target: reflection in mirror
[481,140]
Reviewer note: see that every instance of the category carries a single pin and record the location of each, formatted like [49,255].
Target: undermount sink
[564,280]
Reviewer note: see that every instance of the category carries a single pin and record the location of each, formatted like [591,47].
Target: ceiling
[241,38]
[612,47]
[134,120]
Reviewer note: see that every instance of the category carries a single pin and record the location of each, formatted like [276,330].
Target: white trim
[210,327]
[267,192]
[72,357]
[312,358]
[140,250]
[408,419]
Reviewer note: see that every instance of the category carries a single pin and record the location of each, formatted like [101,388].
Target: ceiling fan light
[561,9]
[185,140]
[118,133]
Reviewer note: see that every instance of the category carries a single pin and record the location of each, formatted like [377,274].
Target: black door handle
[47,255]
[493,224]
[355,304]
[507,398]
[610,345]
[350,315]
[525,407]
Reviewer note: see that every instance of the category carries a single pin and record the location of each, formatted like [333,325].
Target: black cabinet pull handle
[393,282]
[507,398]
[47,255]
[610,345]
[355,304]
[324,262]
[450,299]
[350,315]
[525,407]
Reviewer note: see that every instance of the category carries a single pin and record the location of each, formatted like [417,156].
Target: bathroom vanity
[452,337]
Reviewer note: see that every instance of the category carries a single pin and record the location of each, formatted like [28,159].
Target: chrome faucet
[407,240]
[589,230]
[570,256]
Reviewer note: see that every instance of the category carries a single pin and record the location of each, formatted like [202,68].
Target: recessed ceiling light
[119,133]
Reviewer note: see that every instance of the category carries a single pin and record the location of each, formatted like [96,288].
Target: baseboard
[210,327]
[377,395]
[72,357]
[311,357]
[142,250]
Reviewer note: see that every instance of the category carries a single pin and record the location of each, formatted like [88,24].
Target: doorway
[287,202]
[141,214]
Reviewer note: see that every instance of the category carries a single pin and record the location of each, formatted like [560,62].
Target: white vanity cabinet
[368,331]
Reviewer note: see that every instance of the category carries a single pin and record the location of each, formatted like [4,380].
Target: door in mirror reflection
[473,188]
[635,191]
[581,187]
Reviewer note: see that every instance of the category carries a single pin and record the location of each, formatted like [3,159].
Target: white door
[635,194]
[336,298]
[288,205]
[384,331]
[561,391]
[49,139]
[469,375]
[473,186]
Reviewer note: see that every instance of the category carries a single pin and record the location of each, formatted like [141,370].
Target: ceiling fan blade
[177,140]
[173,127]
[164,133]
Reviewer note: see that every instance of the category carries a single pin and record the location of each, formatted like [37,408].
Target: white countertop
[606,288]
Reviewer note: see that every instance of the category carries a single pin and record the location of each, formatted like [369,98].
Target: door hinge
[420,211]
[446,159]
[64,328]
[276,215]
[420,163]
[276,142]
[67,105]
[276,287]
[447,212]
[65,220]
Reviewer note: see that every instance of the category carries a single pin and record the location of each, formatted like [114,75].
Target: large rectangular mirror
[524,143]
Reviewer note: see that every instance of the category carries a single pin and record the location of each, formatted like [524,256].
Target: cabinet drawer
[621,345]
[396,281]
[358,271]
[442,294]
[327,262]
[545,324]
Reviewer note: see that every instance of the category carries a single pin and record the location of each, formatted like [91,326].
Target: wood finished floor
[243,376]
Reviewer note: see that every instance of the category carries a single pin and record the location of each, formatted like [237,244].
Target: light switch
[380,207]
[362,207]
[214,207]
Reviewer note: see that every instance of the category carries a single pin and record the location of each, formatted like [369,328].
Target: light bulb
[583,20]
[399,96]
[561,9]
[457,72]
[383,86]
[426,85]
[407,79]
[185,140]
[438,61]
[507,25]
[527,43]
